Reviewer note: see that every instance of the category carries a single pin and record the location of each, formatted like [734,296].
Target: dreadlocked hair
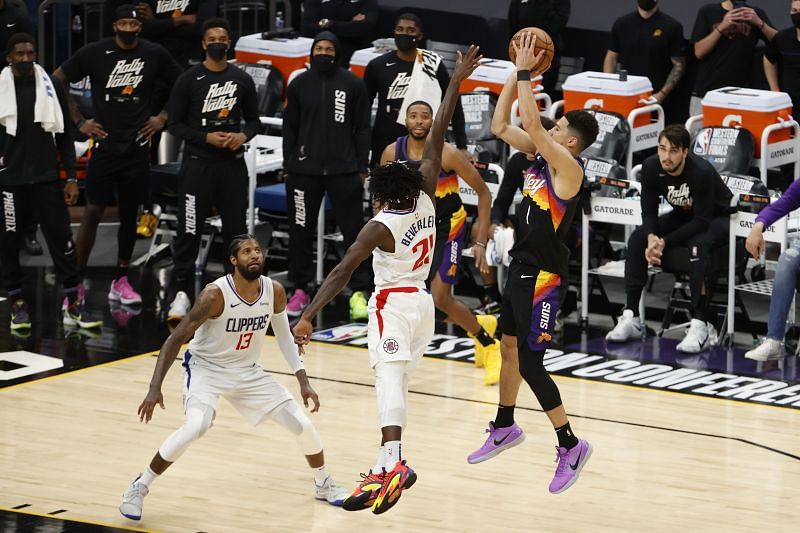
[395,183]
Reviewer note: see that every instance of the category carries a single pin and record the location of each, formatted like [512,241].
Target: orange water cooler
[598,90]
[286,55]
[361,58]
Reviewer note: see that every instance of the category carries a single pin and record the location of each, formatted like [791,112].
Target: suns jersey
[234,338]
[414,232]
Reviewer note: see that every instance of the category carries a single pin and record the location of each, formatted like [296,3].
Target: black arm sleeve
[512,182]
[291,122]
[650,198]
[252,123]
[458,115]
[64,142]
[361,114]
[701,187]
[178,112]
[360,28]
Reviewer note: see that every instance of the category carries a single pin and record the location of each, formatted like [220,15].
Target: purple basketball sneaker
[499,439]
[570,462]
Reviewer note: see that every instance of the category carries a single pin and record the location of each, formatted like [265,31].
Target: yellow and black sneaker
[20,318]
[401,477]
[366,492]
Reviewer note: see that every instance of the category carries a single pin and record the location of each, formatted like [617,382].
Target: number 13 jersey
[414,232]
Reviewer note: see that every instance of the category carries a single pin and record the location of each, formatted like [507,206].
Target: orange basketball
[543,42]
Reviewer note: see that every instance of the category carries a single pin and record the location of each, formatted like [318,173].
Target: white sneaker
[699,337]
[133,499]
[331,492]
[628,327]
[768,350]
[179,307]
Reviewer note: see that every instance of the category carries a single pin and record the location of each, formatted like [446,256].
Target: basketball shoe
[121,291]
[628,327]
[401,477]
[489,325]
[768,350]
[20,318]
[366,492]
[76,315]
[331,492]
[700,336]
[179,308]
[297,303]
[570,462]
[133,500]
[499,440]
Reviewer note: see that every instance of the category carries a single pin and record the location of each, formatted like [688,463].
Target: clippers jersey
[544,219]
[234,338]
[414,232]
[448,199]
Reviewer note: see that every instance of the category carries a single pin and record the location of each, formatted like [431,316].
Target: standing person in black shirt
[725,37]
[325,150]
[648,42]
[29,182]
[539,264]
[123,71]
[551,16]
[699,220]
[352,21]
[214,108]
[389,76]
[782,60]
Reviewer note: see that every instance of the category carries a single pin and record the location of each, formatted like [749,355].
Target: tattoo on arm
[675,75]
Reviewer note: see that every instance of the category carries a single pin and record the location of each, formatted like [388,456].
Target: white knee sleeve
[199,419]
[291,417]
[391,387]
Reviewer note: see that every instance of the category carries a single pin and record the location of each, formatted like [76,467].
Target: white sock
[392,454]
[380,461]
[147,477]
[320,475]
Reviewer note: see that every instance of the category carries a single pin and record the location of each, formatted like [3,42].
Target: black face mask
[796,20]
[127,37]
[323,63]
[405,43]
[25,68]
[647,5]
[216,51]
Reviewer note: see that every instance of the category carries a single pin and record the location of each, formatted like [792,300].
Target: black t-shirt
[204,101]
[698,192]
[728,64]
[12,20]
[122,83]
[646,46]
[785,51]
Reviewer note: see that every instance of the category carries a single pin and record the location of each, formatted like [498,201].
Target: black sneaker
[76,315]
[20,319]
[31,245]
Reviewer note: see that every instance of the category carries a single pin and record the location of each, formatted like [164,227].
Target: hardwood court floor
[662,461]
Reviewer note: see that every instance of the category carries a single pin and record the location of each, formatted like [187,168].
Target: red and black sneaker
[401,477]
[366,492]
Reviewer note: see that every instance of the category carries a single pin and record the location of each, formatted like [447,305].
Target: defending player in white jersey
[400,238]
[229,322]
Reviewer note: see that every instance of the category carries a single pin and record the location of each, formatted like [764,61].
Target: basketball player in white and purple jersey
[229,322]
[400,238]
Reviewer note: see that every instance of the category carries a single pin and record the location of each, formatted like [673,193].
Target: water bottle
[77,24]
[279,22]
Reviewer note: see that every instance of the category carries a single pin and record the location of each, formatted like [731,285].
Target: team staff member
[29,182]
[782,60]
[325,148]
[207,107]
[648,42]
[123,71]
[389,77]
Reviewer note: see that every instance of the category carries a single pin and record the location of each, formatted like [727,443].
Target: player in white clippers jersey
[229,322]
[400,238]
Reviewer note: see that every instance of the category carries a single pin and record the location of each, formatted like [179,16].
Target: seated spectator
[700,203]
[352,21]
[785,283]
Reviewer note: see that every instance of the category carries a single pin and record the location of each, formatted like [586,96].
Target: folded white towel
[46,111]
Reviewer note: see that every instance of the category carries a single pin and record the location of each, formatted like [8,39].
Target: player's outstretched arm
[209,304]
[372,235]
[432,153]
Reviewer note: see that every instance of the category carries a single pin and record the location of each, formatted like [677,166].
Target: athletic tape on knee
[199,419]
[389,384]
[292,418]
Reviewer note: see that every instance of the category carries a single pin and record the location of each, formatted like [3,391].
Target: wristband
[481,244]
[523,75]
[720,31]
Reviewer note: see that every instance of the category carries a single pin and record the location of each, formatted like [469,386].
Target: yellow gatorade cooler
[361,58]
[751,109]
[492,74]
[610,92]
[286,55]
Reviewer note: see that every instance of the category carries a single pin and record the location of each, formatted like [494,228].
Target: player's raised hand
[527,58]
[153,398]
[467,63]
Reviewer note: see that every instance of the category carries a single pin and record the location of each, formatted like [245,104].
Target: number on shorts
[426,246]
[244,341]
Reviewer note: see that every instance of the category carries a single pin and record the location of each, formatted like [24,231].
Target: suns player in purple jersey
[537,274]
[229,322]
[400,238]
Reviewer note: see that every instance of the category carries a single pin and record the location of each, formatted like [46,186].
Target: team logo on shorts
[391,346]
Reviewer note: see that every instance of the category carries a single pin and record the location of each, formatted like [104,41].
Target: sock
[320,475]
[484,338]
[122,270]
[633,302]
[392,449]
[147,477]
[566,439]
[492,292]
[380,461]
[505,416]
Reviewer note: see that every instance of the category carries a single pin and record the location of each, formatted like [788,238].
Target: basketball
[543,42]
